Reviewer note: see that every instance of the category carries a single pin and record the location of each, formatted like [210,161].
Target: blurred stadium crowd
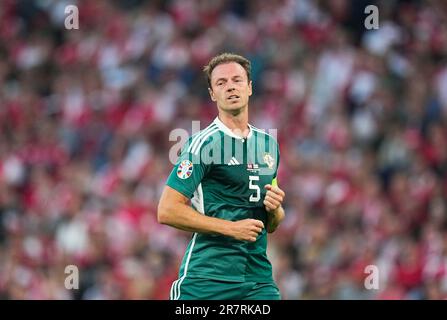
[85,118]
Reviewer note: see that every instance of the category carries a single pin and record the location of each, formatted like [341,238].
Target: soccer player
[228,171]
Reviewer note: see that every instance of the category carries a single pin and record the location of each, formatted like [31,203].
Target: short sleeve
[187,173]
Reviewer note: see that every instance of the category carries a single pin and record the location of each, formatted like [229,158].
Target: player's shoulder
[264,134]
[202,138]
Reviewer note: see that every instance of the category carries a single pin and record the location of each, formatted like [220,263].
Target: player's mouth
[233,97]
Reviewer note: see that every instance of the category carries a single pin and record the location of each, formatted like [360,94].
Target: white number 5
[257,196]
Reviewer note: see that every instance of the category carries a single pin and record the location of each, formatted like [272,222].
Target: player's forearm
[184,217]
[274,219]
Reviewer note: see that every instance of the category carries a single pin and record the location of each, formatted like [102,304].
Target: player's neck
[237,123]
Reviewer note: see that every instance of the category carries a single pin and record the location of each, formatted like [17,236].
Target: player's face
[230,87]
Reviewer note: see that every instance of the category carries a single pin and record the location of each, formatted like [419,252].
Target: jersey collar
[226,130]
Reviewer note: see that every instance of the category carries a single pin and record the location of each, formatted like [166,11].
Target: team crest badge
[184,169]
[268,159]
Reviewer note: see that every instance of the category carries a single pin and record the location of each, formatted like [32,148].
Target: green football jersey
[224,176]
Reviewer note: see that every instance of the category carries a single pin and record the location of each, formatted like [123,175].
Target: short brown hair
[226,58]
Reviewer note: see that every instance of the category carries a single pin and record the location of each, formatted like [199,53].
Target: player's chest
[244,172]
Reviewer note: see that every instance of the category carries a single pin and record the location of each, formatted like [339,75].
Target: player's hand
[247,229]
[273,198]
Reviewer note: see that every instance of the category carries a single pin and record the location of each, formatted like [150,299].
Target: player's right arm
[185,178]
[174,210]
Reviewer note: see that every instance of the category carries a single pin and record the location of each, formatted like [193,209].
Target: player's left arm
[273,204]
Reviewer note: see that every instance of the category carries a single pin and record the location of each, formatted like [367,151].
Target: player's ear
[250,89]
[213,98]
